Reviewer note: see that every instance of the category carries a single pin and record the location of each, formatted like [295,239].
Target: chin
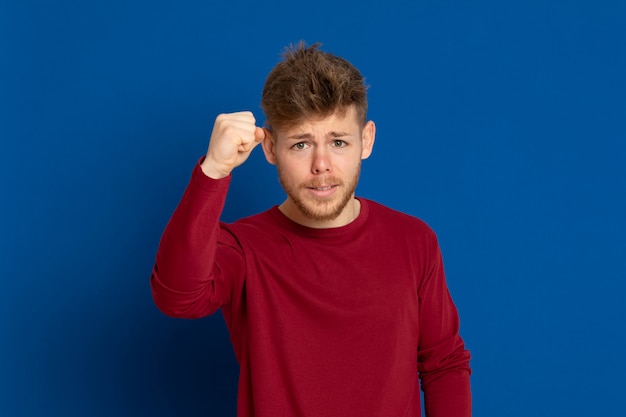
[322,211]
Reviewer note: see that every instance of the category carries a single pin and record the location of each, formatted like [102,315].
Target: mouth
[322,191]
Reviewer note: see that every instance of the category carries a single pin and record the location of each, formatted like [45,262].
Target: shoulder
[260,223]
[403,232]
[388,217]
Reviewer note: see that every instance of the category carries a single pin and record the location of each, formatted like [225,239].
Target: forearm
[448,393]
[182,279]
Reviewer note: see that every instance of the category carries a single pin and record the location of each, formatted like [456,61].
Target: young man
[336,305]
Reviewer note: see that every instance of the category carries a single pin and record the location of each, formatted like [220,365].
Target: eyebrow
[334,134]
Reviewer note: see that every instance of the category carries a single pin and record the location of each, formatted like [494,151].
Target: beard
[320,209]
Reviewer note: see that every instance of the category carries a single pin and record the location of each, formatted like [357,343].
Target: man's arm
[197,263]
[443,361]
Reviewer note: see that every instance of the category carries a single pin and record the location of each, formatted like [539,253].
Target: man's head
[310,83]
[316,106]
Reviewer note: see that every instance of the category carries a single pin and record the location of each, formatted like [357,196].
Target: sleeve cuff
[199,178]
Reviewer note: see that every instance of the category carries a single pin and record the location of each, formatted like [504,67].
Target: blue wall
[500,123]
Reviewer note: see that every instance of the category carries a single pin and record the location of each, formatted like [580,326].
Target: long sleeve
[443,361]
[187,280]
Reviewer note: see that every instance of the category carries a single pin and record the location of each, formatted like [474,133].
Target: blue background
[500,123]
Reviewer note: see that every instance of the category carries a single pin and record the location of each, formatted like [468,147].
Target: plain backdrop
[502,124]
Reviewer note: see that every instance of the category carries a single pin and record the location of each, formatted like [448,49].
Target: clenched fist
[233,138]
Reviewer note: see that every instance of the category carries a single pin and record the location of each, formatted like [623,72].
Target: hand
[233,138]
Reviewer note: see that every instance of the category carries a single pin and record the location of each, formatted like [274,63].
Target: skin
[318,162]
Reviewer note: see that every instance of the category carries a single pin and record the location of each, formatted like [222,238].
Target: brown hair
[311,83]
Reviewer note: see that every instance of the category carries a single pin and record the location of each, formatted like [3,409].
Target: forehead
[337,121]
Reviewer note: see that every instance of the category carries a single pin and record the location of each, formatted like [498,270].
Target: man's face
[318,164]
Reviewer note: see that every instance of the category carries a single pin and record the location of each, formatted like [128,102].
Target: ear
[367,139]
[269,148]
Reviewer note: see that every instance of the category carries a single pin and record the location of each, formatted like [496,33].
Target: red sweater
[324,322]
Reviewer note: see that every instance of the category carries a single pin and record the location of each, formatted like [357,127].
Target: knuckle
[229,130]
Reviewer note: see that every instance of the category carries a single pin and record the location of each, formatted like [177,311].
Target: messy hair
[312,83]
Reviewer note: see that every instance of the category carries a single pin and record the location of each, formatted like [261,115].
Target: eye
[338,143]
[299,146]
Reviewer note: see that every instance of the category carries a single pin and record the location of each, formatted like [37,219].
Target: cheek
[294,162]
[291,169]
[350,164]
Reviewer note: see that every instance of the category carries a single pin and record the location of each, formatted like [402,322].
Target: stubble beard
[320,209]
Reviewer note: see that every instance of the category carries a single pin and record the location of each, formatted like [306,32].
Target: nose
[321,163]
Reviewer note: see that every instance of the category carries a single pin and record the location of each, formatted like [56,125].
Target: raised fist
[233,138]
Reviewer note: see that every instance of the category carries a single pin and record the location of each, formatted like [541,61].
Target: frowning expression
[318,163]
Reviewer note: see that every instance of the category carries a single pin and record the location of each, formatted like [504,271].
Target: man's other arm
[443,361]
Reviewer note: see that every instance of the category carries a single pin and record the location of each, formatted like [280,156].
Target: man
[336,305]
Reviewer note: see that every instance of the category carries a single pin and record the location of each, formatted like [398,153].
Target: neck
[349,213]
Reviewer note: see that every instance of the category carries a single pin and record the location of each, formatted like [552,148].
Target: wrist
[212,171]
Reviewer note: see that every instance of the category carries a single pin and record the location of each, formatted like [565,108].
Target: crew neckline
[345,230]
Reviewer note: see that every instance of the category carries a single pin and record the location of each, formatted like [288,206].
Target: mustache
[321,182]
